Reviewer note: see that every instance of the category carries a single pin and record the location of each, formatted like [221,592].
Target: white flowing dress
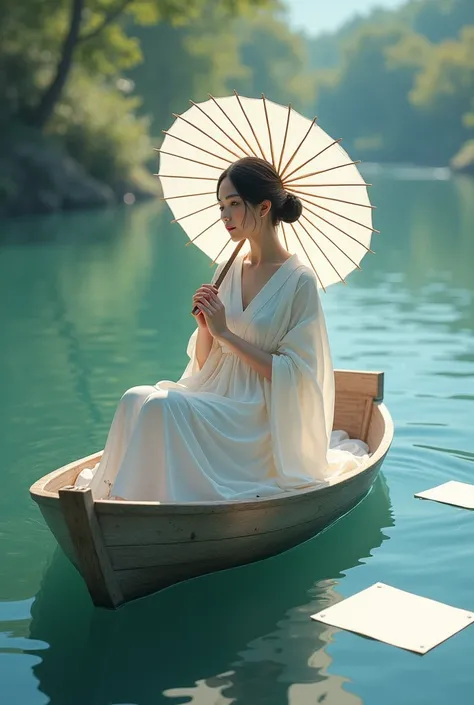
[224,431]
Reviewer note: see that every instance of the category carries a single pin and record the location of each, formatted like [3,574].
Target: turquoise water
[94,303]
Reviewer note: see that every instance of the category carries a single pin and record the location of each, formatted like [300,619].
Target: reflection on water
[244,622]
[94,303]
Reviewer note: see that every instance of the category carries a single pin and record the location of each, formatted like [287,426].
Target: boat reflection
[240,636]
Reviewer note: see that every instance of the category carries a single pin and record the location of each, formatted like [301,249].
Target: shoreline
[38,177]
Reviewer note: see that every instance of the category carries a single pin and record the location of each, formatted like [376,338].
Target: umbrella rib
[250,125]
[178,176]
[269,131]
[323,171]
[233,125]
[219,127]
[309,258]
[311,158]
[297,150]
[331,241]
[205,134]
[178,156]
[339,215]
[284,235]
[176,220]
[321,250]
[338,200]
[188,195]
[340,230]
[291,188]
[201,149]
[217,256]
[284,139]
[202,233]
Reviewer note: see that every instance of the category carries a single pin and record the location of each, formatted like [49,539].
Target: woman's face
[238,220]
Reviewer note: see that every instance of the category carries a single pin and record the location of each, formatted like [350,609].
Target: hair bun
[291,209]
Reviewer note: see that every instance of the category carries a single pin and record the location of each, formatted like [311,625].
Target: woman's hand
[201,293]
[212,309]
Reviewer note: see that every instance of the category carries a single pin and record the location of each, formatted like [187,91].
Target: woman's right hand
[202,294]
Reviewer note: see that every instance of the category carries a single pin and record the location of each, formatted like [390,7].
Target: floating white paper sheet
[461,494]
[397,617]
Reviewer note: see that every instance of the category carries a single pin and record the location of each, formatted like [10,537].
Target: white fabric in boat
[224,431]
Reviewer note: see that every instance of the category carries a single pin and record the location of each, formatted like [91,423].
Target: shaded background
[88,86]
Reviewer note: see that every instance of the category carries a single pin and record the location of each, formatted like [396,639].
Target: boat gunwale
[133,508]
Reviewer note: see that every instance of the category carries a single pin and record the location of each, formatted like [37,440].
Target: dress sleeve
[302,392]
[192,367]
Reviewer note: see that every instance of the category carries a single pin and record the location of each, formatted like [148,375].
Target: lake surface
[94,303]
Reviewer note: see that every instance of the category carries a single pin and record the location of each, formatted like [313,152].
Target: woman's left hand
[214,312]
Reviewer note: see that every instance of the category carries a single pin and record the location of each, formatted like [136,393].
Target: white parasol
[334,231]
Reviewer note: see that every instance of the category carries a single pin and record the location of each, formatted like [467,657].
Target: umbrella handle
[227,266]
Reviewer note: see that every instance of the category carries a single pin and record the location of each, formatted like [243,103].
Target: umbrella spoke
[177,220]
[309,258]
[205,134]
[322,251]
[284,139]
[312,158]
[339,200]
[250,125]
[284,235]
[220,128]
[204,231]
[269,131]
[222,250]
[290,188]
[189,195]
[330,240]
[340,230]
[195,146]
[179,156]
[180,176]
[233,125]
[297,149]
[322,171]
[339,215]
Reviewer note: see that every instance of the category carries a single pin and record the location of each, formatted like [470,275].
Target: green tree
[252,53]
[438,20]
[366,100]
[275,60]
[89,32]
[443,93]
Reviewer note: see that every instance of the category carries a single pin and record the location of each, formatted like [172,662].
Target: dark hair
[257,180]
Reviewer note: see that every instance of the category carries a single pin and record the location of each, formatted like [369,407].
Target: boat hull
[126,550]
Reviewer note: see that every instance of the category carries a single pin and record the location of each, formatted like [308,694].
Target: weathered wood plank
[141,581]
[381,429]
[352,414]
[93,562]
[165,527]
[216,552]
[367,384]
[51,483]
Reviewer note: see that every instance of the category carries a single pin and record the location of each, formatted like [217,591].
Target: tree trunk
[45,108]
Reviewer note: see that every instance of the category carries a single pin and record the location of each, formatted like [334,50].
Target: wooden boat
[125,550]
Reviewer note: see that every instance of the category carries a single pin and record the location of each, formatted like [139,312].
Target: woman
[252,414]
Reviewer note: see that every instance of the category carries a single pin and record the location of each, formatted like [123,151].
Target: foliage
[464,160]
[254,53]
[403,87]
[276,62]
[396,85]
[98,126]
[64,75]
